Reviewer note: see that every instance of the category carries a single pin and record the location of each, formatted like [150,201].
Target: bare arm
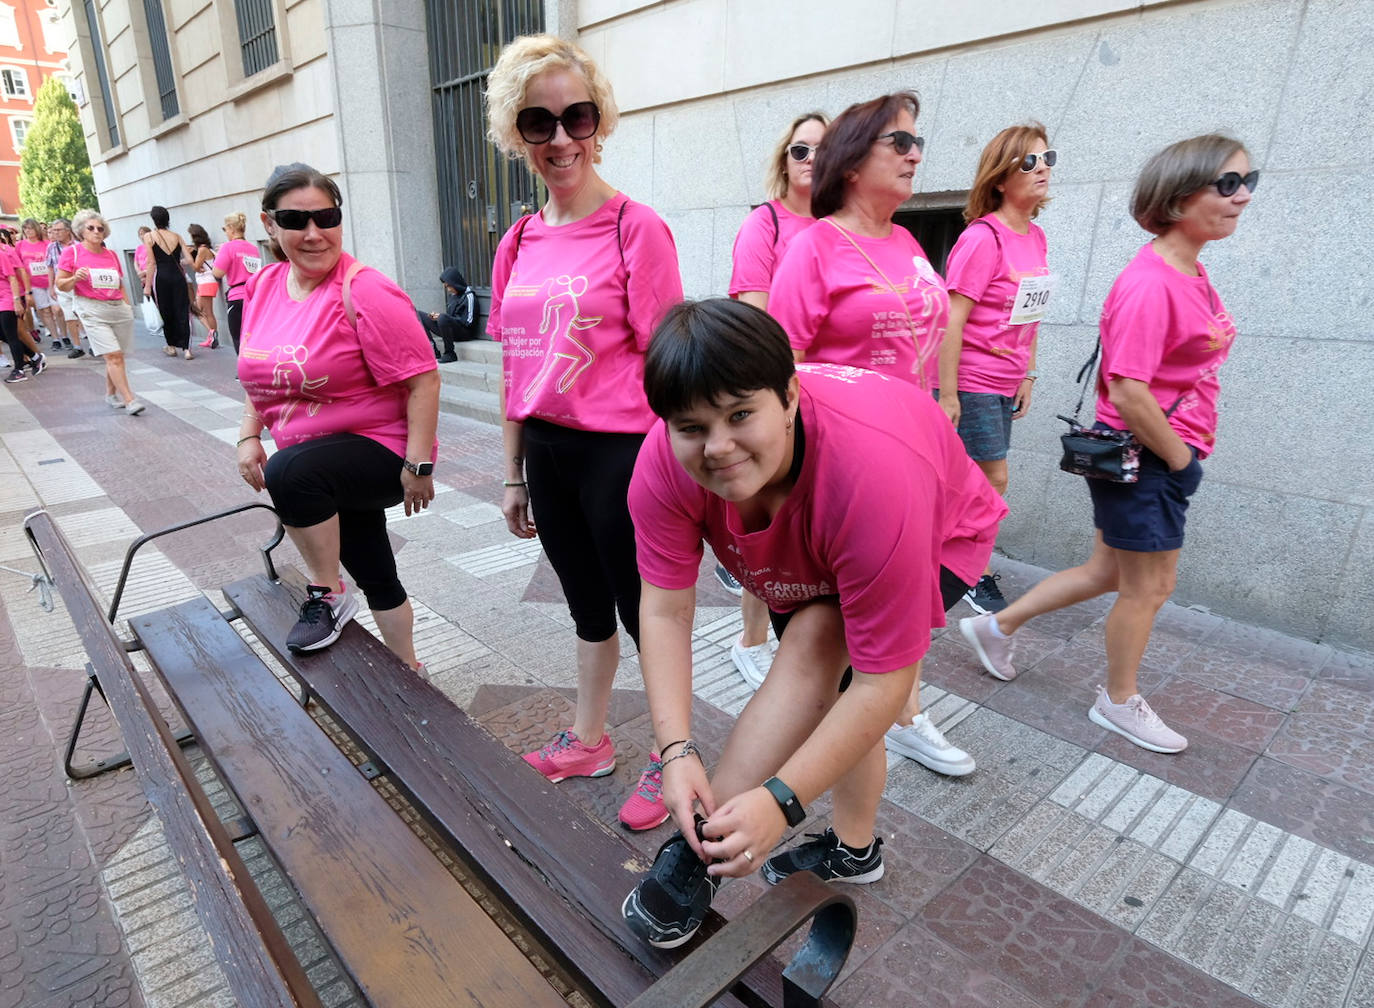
[759,299]
[422,420]
[951,347]
[515,500]
[1146,420]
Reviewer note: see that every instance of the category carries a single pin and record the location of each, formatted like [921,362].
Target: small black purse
[1097,453]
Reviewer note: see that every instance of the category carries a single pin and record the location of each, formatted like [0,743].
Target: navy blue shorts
[1146,516]
[984,424]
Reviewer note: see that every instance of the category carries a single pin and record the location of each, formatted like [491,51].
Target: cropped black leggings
[357,479]
[579,482]
[9,327]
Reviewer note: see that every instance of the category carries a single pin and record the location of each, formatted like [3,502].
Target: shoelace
[314,609]
[651,782]
[990,586]
[683,868]
[1142,709]
[562,741]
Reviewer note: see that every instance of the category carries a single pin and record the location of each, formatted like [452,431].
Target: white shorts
[66,300]
[41,298]
[109,324]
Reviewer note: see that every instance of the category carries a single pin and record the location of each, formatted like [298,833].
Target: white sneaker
[133,407]
[923,742]
[114,401]
[1137,721]
[753,662]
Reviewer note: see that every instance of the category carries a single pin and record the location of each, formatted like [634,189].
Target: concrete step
[472,384]
[472,374]
[472,403]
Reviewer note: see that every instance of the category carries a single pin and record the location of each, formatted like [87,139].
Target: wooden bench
[407,932]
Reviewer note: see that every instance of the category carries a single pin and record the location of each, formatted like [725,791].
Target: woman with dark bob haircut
[764,461]
[334,363]
[858,289]
[1165,334]
[168,282]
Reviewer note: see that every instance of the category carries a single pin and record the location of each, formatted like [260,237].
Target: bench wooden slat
[408,932]
[258,963]
[507,817]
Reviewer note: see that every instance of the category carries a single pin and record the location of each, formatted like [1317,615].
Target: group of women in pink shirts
[837,432]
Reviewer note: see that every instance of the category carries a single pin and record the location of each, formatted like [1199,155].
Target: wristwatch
[787,801]
[419,468]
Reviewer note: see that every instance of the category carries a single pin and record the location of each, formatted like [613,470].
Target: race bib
[38,269]
[1032,299]
[105,279]
[252,264]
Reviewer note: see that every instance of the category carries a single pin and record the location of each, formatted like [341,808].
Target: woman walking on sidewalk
[93,275]
[1165,334]
[207,286]
[576,291]
[167,283]
[235,263]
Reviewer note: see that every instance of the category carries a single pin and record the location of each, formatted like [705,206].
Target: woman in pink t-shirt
[843,499]
[235,263]
[33,251]
[999,287]
[857,289]
[763,238]
[576,291]
[335,365]
[1165,334]
[93,275]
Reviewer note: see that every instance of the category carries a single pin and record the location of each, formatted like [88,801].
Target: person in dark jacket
[458,321]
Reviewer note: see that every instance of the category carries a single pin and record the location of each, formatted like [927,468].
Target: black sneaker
[824,855]
[669,904]
[76,352]
[38,364]
[323,617]
[728,581]
[17,375]
[985,597]
[66,342]
[57,344]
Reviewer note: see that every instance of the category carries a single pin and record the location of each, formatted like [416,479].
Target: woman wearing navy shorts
[1165,334]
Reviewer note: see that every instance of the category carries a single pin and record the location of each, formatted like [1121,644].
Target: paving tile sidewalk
[1070,869]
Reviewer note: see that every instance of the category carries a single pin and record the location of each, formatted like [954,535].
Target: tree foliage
[54,169]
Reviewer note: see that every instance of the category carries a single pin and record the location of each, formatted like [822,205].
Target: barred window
[162,58]
[257,21]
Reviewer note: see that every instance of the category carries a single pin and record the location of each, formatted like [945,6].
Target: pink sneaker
[644,809]
[567,756]
[1136,721]
[994,652]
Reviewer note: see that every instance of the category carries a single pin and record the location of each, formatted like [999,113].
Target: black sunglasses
[299,220]
[801,151]
[1028,162]
[902,141]
[1231,181]
[537,125]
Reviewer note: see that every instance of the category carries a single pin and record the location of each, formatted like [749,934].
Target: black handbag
[1097,453]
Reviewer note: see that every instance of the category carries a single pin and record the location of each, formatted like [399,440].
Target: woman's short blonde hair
[1174,174]
[84,217]
[999,159]
[776,182]
[520,62]
[236,222]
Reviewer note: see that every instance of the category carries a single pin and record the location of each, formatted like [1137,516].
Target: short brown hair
[999,159]
[848,142]
[777,164]
[1174,174]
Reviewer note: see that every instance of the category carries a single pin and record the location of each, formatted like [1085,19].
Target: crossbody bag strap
[1087,375]
[353,269]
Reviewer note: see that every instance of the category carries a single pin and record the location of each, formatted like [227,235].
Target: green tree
[54,169]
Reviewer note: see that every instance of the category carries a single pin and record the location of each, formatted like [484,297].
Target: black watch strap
[419,468]
[787,801]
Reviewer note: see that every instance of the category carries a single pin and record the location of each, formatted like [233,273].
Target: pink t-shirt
[760,245]
[886,495]
[238,260]
[9,267]
[1171,331]
[836,307]
[106,282]
[309,372]
[33,254]
[574,306]
[996,354]
[141,258]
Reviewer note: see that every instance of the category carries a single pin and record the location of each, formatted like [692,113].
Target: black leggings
[9,326]
[235,314]
[579,482]
[357,479]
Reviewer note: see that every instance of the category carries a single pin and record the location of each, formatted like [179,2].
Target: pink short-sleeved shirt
[33,254]
[574,306]
[141,258]
[9,267]
[987,265]
[760,245]
[837,308]
[885,497]
[1171,331]
[238,260]
[106,282]
[309,372]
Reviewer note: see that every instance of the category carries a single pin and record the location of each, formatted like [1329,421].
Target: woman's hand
[252,456]
[81,275]
[950,404]
[515,505]
[1020,403]
[748,824]
[684,784]
[419,491]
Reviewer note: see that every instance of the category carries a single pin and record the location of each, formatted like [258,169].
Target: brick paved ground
[1071,869]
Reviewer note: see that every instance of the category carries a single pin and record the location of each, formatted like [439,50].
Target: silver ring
[749,857]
